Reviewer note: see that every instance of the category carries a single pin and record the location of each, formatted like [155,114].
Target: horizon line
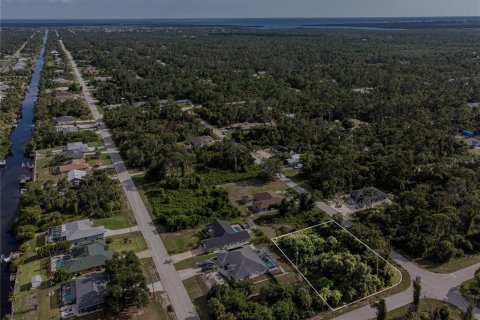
[230,18]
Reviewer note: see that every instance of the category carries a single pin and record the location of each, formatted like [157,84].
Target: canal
[16,166]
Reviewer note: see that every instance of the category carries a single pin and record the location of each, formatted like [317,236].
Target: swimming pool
[68,296]
[58,264]
[236,228]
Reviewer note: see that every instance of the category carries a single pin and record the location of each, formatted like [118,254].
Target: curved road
[169,277]
[440,286]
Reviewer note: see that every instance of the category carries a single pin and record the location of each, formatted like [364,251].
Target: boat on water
[3,164]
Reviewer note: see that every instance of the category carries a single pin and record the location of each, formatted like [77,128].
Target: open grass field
[178,242]
[127,242]
[197,290]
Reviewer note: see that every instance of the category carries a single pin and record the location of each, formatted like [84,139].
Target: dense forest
[408,92]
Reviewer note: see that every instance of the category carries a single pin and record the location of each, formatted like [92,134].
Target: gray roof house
[73,154]
[367,196]
[75,232]
[244,263]
[224,237]
[76,176]
[64,120]
[77,146]
[84,295]
[87,256]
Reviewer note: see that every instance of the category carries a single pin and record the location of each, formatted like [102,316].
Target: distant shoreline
[399,23]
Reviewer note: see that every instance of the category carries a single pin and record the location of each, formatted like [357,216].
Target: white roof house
[75,232]
[76,175]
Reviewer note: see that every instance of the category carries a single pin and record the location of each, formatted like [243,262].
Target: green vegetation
[428,310]
[46,204]
[127,242]
[341,268]
[192,262]
[127,286]
[471,289]
[181,241]
[197,290]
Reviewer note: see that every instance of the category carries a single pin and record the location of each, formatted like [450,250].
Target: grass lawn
[448,267]
[188,263]
[181,241]
[149,270]
[470,290]
[26,298]
[197,290]
[102,160]
[118,221]
[427,305]
[123,219]
[120,243]
[238,189]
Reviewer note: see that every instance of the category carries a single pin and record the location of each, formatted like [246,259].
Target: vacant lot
[127,242]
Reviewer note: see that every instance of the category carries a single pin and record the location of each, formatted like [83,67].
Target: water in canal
[16,166]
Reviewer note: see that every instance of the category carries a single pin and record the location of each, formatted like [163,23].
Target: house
[73,154]
[473,105]
[357,123]
[74,164]
[75,232]
[63,96]
[84,295]
[76,176]
[294,161]
[279,148]
[61,80]
[64,120]
[200,141]
[472,143]
[36,281]
[85,257]
[66,129]
[244,263]
[367,196]
[77,146]
[184,101]
[224,237]
[264,201]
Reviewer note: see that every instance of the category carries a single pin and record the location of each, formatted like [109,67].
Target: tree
[127,286]
[60,275]
[417,288]
[381,309]
[270,168]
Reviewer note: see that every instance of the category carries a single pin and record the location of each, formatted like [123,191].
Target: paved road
[219,133]
[169,277]
[440,286]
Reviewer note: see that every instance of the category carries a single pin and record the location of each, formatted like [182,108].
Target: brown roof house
[262,201]
[201,141]
[74,164]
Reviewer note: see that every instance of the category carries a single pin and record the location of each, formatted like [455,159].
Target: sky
[137,9]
